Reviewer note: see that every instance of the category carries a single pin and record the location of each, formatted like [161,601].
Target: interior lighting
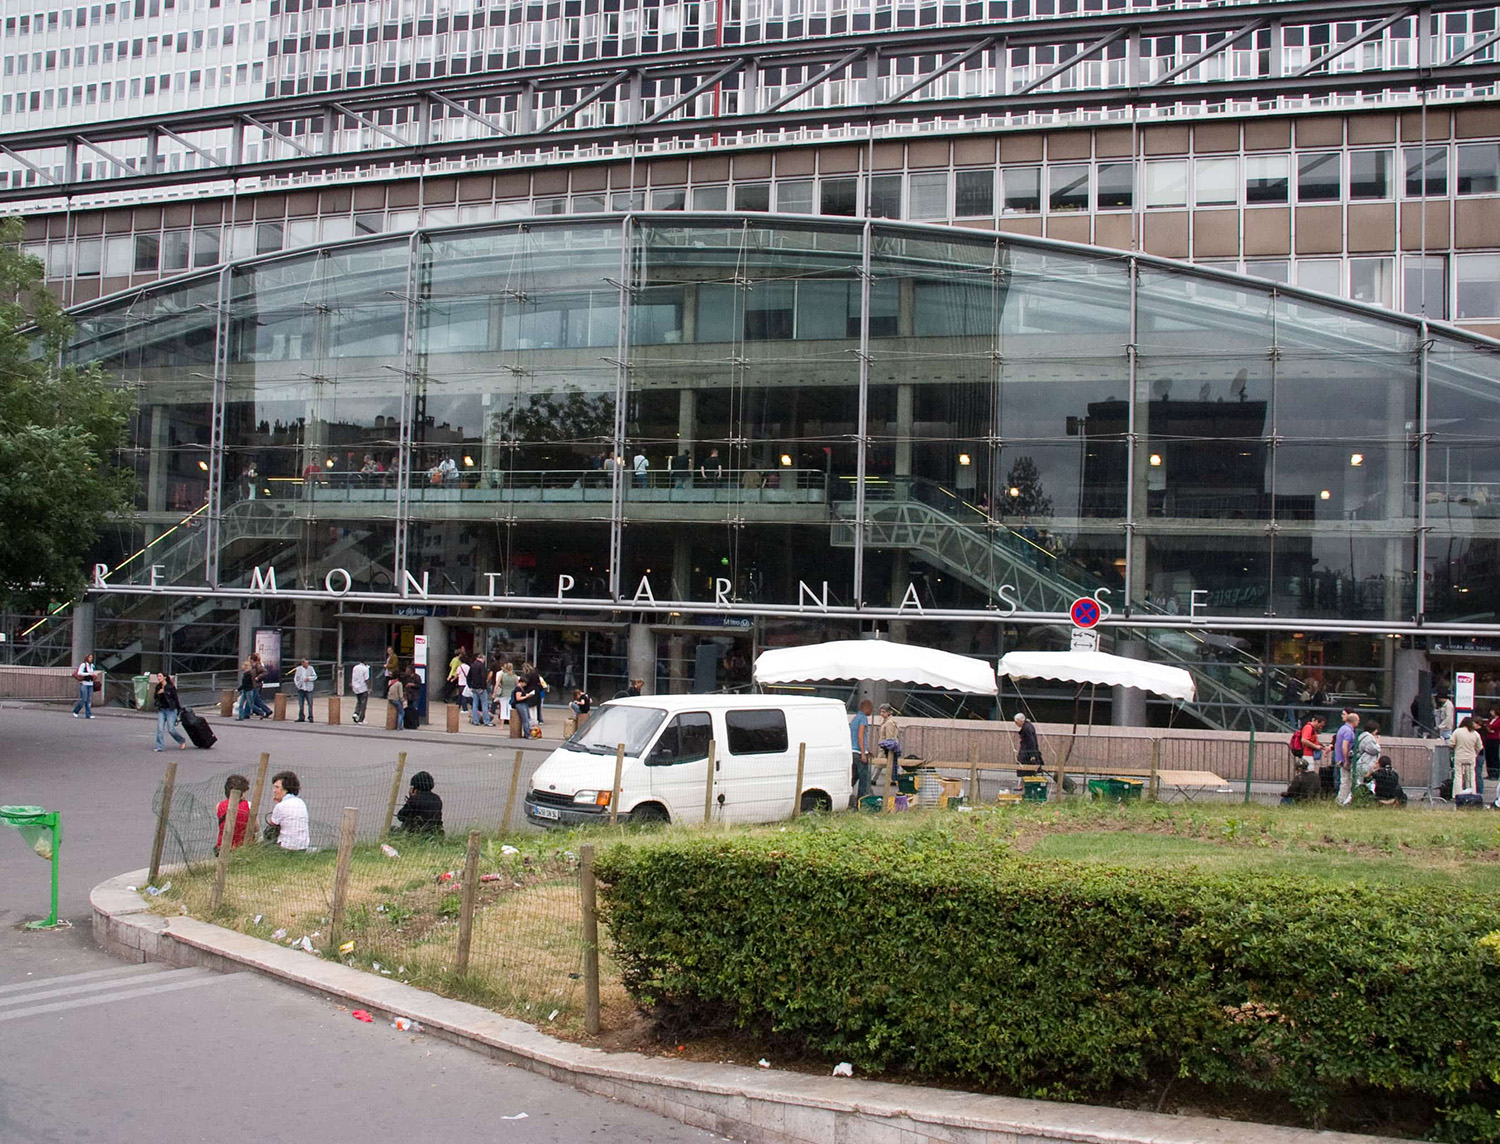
[1014,492]
[963,458]
[328,464]
[786,460]
[1356,460]
[1325,495]
[203,465]
[1154,460]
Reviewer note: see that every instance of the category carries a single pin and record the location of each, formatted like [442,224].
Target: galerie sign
[338,582]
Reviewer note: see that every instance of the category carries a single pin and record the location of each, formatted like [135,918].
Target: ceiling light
[786,460]
[1014,492]
[203,465]
[963,458]
[1325,495]
[1356,459]
[1154,460]
[469,462]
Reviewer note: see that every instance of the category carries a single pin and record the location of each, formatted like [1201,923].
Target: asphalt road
[95,1049]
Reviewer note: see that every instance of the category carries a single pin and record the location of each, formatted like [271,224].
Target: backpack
[1296,741]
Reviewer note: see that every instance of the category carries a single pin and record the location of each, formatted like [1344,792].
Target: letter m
[263,582]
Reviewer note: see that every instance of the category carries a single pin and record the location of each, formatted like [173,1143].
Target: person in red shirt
[241,814]
[1491,731]
[1312,750]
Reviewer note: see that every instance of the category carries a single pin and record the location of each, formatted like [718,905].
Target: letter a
[643,592]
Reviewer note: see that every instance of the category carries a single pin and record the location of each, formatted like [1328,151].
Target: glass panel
[1318,176]
[1424,285]
[1068,187]
[839,197]
[1478,285]
[1322,274]
[884,196]
[1479,168]
[1023,190]
[752,197]
[1372,280]
[1116,186]
[1426,171]
[1266,179]
[929,195]
[973,194]
[795,197]
[1370,174]
[1166,183]
[1216,181]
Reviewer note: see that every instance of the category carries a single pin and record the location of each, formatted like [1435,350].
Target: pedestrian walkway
[98,987]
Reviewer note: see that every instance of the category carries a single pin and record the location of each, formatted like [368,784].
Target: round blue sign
[1085,612]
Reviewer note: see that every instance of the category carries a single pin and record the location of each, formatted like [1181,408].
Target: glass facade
[769,417]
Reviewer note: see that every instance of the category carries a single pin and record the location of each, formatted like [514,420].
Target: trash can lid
[21,812]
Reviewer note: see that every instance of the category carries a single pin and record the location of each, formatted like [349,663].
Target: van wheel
[651,814]
[815,801]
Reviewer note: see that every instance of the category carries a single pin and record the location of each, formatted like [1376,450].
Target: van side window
[756,732]
[684,740]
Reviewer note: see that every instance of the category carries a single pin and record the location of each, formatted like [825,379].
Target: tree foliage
[60,426]
[1026,479]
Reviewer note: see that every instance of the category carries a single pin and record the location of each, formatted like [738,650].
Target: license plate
[544,811]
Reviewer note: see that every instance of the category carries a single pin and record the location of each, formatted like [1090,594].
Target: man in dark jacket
[1305,786]
[1028,751]
[422,813]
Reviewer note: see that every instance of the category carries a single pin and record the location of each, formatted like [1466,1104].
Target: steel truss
[861,83]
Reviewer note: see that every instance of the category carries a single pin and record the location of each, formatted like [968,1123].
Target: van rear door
[678,765]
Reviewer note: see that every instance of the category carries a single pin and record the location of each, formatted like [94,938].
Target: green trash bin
[1034,788]
[41,830]
[1116,790]
[141,688]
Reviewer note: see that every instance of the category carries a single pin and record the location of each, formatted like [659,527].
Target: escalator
[923,517]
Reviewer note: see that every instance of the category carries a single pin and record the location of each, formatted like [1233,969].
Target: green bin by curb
[141,686]
[42,831]
[1116,790]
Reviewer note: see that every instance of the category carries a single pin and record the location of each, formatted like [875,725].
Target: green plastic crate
[1033,788]
[1116,790]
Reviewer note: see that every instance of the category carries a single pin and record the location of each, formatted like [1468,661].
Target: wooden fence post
[252,834]
[589,894]
[466,913]
[973,774]
[801,767]
[226,844]
[510,798]
[168,788]
[1155,770]
[390,806]
[278,707]
[614,791]
[708,787]
[347,827]
[226,704]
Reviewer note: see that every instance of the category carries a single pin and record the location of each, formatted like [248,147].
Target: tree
[1026,480]
[60,427]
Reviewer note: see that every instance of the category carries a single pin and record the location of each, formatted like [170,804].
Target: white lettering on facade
[643,592]
[564,584]
[1007,595]
[1198,599]
[912,599]
[263,581]
[328,581]
[100,572]
[409,585]
[156,568]
[721,590]
[1105,611]
[804,593]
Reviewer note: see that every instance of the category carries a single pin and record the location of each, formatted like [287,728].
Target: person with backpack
[479,684]
[1367,751]
[1306,740]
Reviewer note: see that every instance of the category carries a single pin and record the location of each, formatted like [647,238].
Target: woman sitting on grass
[422,812]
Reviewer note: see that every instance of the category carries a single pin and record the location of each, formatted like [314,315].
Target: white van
[665,774]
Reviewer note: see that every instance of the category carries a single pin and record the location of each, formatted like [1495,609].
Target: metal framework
[859,83]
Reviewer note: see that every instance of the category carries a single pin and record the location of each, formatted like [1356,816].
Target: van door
[760,767]
[678,765]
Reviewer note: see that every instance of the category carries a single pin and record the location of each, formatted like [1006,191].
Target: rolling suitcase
[413,718]
[197,729]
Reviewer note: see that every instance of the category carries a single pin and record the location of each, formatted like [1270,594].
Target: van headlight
[592,797]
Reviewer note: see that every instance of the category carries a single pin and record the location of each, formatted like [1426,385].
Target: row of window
[96,15]
[93,55]
[87,95]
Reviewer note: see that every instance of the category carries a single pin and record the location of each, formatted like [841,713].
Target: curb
[746,1104]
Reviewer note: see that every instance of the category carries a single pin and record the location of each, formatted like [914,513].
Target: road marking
[174,979]
[86,987]
[143,969]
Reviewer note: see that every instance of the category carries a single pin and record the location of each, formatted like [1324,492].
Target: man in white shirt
[359,683]
[642,467]
[289,813]
[303,678]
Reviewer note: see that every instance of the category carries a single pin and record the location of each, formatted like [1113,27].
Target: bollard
[226,844]
[510,798]
[335,711]
[453,715]
[589,894]
[168,786]
[260,789]
[708,786]
[614,791]
[801,769]
[278,707]
[226,704]
[973,774]
[390,806]
[392,718]
[466,912]
[347,828]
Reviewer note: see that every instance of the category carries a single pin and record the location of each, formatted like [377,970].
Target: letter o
[328,582]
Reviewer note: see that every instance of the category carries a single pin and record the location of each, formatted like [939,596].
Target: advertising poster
[268,647]
[1463,695]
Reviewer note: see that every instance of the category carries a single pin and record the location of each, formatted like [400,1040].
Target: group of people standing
[490,689]
[1356,758]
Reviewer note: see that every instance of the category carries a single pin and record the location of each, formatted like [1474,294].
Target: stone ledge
[753,1105]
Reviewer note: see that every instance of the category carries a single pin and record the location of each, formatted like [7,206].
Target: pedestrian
[465,692]
[637,687]
[1367,751]
[641,466]
[712,469]
[1028,750]
[247,690]
[479,684]
[303,679]
[258,673]
[860,742]
[1492,744]
[1304,786]
[536,687]
[1467,746]
[450,684]
[522,697]
[1312,750]
[86,677]
[887,734]
[581,705]
[359,683]
[1343,755]
[1443,713]
[1291,698]
[422,812]
[289,815]
[411,685]
[168,711]
[392,663]
[241,815]
[395,695]
[505,687]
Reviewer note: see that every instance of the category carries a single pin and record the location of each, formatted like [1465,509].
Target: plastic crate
[1116,790]
[1034,789]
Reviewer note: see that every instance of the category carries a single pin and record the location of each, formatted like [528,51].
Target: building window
[205,247]
[267,237]
[883,196]
[1369,174]
[90,257]
[1022,190]
[1426,171]
[1166,183]
[752,197]
[1477,279]
[1479,169]
[147,253]
[927,196]
[973,194]
[669,199]
[795,197]
[710,198]
[1325,275]
[1266,179]
[1068,188]
[1424,285]
[1115,186]
[839,197]
[1372,280]
[1318,177]
[1216,182]
[1273,270]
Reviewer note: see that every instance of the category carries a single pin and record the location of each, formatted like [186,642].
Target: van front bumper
[549,814]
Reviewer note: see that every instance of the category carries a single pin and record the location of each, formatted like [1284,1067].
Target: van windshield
[612,725]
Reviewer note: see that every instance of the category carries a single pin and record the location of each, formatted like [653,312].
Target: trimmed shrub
[967,964]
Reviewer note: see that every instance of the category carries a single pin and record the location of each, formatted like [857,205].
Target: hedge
[971,965]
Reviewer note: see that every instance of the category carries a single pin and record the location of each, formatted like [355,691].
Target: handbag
[272,832]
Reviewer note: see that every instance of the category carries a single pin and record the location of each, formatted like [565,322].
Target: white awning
[876,660]
[1097,667]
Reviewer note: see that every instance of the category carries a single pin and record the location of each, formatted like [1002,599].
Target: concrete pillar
[1128,704]
[305,637]
[83,629]
[687,420]
[640,656]
[678,682]
[905,416]
[436,631]
[1412,667]
[250,619]
[874,690]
